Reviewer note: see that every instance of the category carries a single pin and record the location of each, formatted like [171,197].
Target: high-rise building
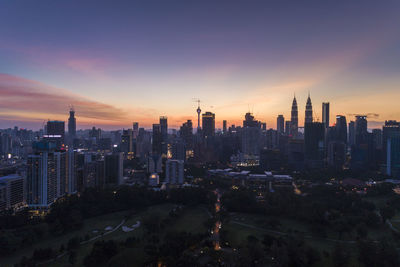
[288,126]
[47,175]
[157,139]
[308,113]
[389,129]
[127,142]
[251,134]
[341,129]
[280,124]
[361,130]
[164,135]
[393,155]
[352,133]
[135,128]
[224,126]
[72,124]
[56,132]
[325,114]
[174,171]
[314,142]
[208,124]
[12,192]
[294,128]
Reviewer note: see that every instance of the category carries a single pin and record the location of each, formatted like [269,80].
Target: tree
[340,256]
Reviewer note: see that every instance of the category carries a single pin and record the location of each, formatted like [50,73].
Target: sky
[117,62]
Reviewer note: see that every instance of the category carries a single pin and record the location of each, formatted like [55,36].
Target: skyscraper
[361,131]
[208,124]
[251,134]
[56,132]
[325,114]
[224,126]
[352,133]
[341,129]
[164,135]
[314,138]
[280,124]
[294,128]
[135,128]
[71,125]
[157,140]
[308,114]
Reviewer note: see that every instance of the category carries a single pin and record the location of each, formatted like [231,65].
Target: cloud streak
[31,100]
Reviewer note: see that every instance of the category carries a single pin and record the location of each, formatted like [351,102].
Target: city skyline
[119,63]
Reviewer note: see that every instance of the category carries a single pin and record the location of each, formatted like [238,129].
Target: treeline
[69,213]
[322,207]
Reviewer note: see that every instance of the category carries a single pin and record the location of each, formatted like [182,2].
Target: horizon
[122,62]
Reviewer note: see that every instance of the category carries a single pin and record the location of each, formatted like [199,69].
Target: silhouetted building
[294,128]
[164,135]
[325,114]
[251,133]
[352,133]
[308,113]
[314,141]
[55,132]
[71,125]
[341,129]
[208,124]
[224,126]
[113,169]
[280,124]
[157,140]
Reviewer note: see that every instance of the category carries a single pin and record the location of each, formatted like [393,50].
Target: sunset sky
[118,61]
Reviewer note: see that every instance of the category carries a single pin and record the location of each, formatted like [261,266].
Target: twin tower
[294,115]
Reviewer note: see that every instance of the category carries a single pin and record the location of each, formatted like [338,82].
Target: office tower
[12,192]
[174,171]
[224,126]
[251,134]
[361,131]
[288,126]
[56,132]
[113,168]
[135,128]
[352,133]
[71,125]
[127,142]
[186,134]
[294,127]
[280,124]
[314,143]
[157,139]
[143,144]
[341,129]
[208,124]
[46,174]
[389,129]
[72,166]
[164,135]
[308,113]
[393,155]
[325,114]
